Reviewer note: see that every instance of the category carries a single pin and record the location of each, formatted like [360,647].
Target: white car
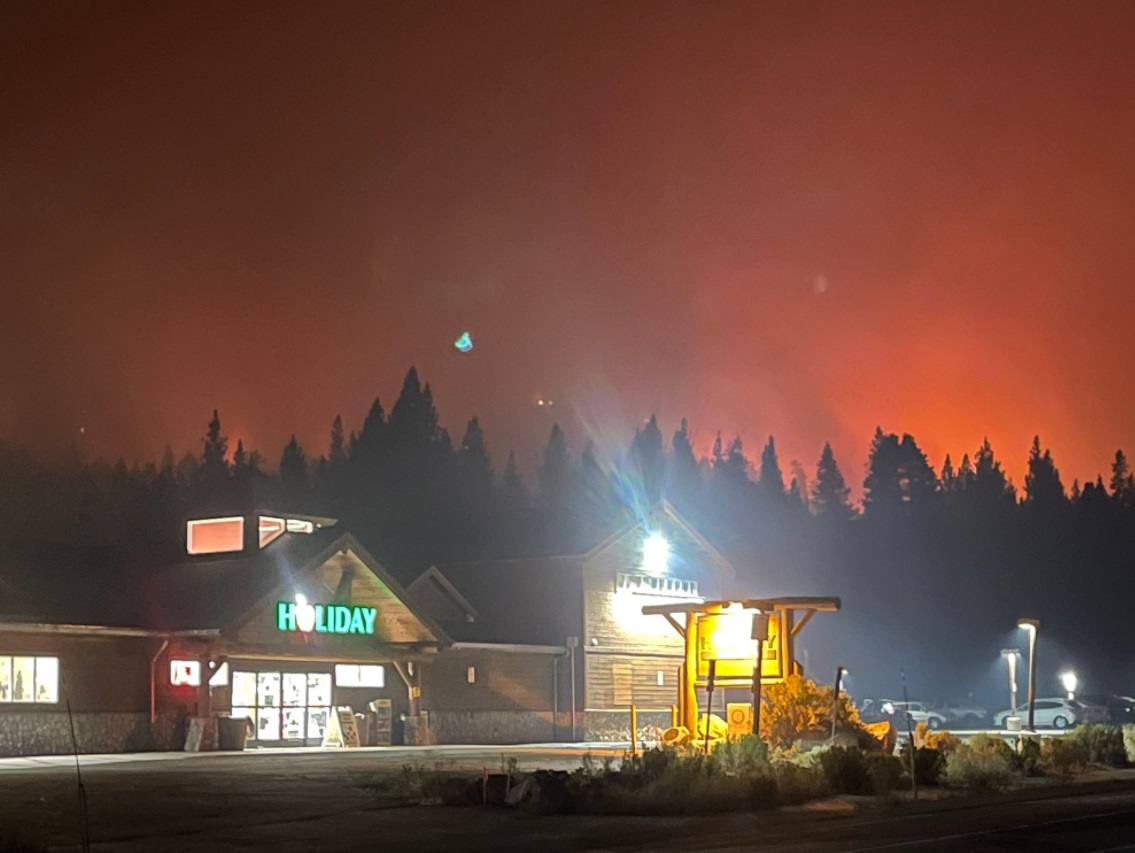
[1047,714]
[917,711]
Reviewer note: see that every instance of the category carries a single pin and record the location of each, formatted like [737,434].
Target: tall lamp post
[1011,656]
[1031,625]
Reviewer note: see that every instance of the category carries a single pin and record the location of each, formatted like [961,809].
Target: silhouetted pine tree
[556,527]
[1043,489]
[949,477]
[337,449]
[830,492]
[214,475]
[474,463]
[648,461]
[555,473]
[770,482]
[294,479]
[515,495]
[882,492]
[682,482]
[1122,481]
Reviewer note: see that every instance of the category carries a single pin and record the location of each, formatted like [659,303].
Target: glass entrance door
[286,708]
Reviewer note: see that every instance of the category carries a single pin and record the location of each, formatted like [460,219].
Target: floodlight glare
[655,553]
[305,614]
[1069,680]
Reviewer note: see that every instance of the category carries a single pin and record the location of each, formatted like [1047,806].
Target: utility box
[739,716]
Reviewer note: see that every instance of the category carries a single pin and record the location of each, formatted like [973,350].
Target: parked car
[896,711]
[1091,712]
[1120,709]
[964,713]
[1048,713]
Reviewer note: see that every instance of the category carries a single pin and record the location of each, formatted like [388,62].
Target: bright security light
[655,553]
[1028,624]
[305,614]
[1069,680]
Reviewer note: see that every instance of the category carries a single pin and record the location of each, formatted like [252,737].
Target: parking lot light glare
[1069,680]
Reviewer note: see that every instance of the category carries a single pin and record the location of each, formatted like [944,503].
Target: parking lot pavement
[565,755]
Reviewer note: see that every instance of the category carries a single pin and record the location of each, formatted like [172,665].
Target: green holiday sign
[324,618]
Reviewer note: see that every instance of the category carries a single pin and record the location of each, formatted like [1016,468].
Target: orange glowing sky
[798,219]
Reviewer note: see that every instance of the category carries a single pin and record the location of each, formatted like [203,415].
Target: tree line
[930,554]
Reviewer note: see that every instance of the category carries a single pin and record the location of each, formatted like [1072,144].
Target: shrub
[928,764]
[1028,760]
[982,766]
[941,740]
[845,771]
[885,771]
[743,756]
[797,706]
[796,784]
[671,781]
[1129,743]
[1100,744]
[1062,755]
[986,744]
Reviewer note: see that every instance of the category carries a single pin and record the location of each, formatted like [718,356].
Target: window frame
[36,659]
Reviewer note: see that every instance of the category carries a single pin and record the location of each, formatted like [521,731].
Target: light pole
[1011,656]
[840,672]
[1031,625]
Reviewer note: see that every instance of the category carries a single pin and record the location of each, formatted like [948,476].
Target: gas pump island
[740,643]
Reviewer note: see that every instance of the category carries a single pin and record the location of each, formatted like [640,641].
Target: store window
[269,529]
[215,535]
[185,673]
[29,679]
[289,706]
[360,675]
[220,676]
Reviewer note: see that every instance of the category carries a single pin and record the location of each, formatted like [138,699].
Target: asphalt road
[341,801]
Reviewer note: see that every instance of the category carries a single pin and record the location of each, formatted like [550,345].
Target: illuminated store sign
[324,618]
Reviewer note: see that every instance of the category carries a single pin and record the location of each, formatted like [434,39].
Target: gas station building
[285,620]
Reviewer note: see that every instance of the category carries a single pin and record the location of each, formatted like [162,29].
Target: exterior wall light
[655,553]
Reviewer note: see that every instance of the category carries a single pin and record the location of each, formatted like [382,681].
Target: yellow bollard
[673,716]
[634,730]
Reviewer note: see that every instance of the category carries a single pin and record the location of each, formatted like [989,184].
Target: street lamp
[1011,656]
[1031,625]
[1069,680]
[840,672]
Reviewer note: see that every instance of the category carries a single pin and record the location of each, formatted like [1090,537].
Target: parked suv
[1047,713]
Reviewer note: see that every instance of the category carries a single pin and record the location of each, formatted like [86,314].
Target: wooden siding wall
[394,622]
[616,681]
[505,681]
[617,636]
[97,674]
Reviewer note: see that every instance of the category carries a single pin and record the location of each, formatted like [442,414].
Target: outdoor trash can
[362,723]
[233,733]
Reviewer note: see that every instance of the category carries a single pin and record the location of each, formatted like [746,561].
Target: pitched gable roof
[536,601]
[227,593]
[432,586]
[664,512]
